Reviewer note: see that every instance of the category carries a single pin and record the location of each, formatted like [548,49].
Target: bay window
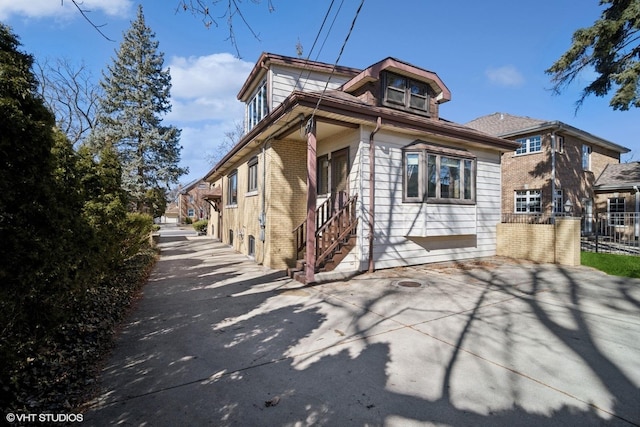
[437,174]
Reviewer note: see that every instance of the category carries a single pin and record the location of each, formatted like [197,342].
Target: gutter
[557,126]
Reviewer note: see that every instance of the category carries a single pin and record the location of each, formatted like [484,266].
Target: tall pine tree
[136,96]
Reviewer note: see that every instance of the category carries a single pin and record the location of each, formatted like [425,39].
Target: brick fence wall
[557,243]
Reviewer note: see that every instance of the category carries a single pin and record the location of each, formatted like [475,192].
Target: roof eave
[571,130]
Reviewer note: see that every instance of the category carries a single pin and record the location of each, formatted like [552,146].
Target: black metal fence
[616,233]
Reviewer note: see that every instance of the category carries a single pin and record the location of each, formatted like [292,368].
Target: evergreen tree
[136,96]
[611,47]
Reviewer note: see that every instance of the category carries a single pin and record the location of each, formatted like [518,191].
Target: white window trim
[527,144]
[529,195]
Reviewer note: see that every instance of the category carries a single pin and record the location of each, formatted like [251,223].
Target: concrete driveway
[218,340]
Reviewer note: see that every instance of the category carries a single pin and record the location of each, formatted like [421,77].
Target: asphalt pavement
[219,340]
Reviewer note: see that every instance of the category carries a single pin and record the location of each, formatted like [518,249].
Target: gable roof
[372,73]
[619,176]
[267,59]
[506,125]
[503,123]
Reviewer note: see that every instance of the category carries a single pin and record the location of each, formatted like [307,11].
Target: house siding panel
[286,80]
[445,231]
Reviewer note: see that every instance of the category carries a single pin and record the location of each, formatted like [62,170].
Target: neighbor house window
[323,175]
[400,91]
[253,175]
[440,177]
[558,202]
[257,107]
[615,209]
[528,201]
[586,158]
[252,246]
[529,145]
[232,190]
[190,212]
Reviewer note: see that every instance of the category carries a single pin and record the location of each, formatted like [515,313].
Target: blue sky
[490,54]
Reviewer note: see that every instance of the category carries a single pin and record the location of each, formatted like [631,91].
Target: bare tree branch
[71,94]
[232,10]
[84,13]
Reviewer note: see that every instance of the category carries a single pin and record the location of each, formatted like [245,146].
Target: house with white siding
[350,170]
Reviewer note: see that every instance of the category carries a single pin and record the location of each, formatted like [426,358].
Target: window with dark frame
[252,246]
[253,175]
[440,177]
[406,93]
[232,189]
[322,175]
[615,211]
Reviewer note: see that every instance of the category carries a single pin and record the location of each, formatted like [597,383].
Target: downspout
[637,227]
[262,217]
[553,176]
[372,192]
[553,194]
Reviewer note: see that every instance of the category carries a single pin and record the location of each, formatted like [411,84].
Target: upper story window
[257,107]
[532,144]
[586,158]
[440,177]
[405,93]
[232,190]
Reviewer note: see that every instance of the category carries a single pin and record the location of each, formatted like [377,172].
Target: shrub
[188,220]
[201,226]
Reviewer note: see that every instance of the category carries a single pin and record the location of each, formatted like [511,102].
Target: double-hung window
[615,210]
[529,145]
[232,190]
[323,175]
[586,158]
[405,93]
[257,107]
[438,174]
[253,175]
[528,201]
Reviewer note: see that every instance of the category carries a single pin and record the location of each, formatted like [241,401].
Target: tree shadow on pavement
[235,345]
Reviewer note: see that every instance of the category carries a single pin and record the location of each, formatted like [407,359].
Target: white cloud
[508,76]
[54,8]
[219,74]
[205,87]
[204,105]
[199,144]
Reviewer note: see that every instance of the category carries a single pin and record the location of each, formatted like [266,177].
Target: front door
[340,177]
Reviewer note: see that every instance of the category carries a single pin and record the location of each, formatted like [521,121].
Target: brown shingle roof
[502,123]
[619,176]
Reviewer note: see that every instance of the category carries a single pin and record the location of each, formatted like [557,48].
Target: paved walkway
[218,340]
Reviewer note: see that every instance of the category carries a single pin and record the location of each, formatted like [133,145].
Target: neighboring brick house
[539,180]
[617,193]
[191,201]
[353,169]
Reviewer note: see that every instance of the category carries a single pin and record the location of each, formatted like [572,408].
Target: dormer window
[405,93]
[257,107]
